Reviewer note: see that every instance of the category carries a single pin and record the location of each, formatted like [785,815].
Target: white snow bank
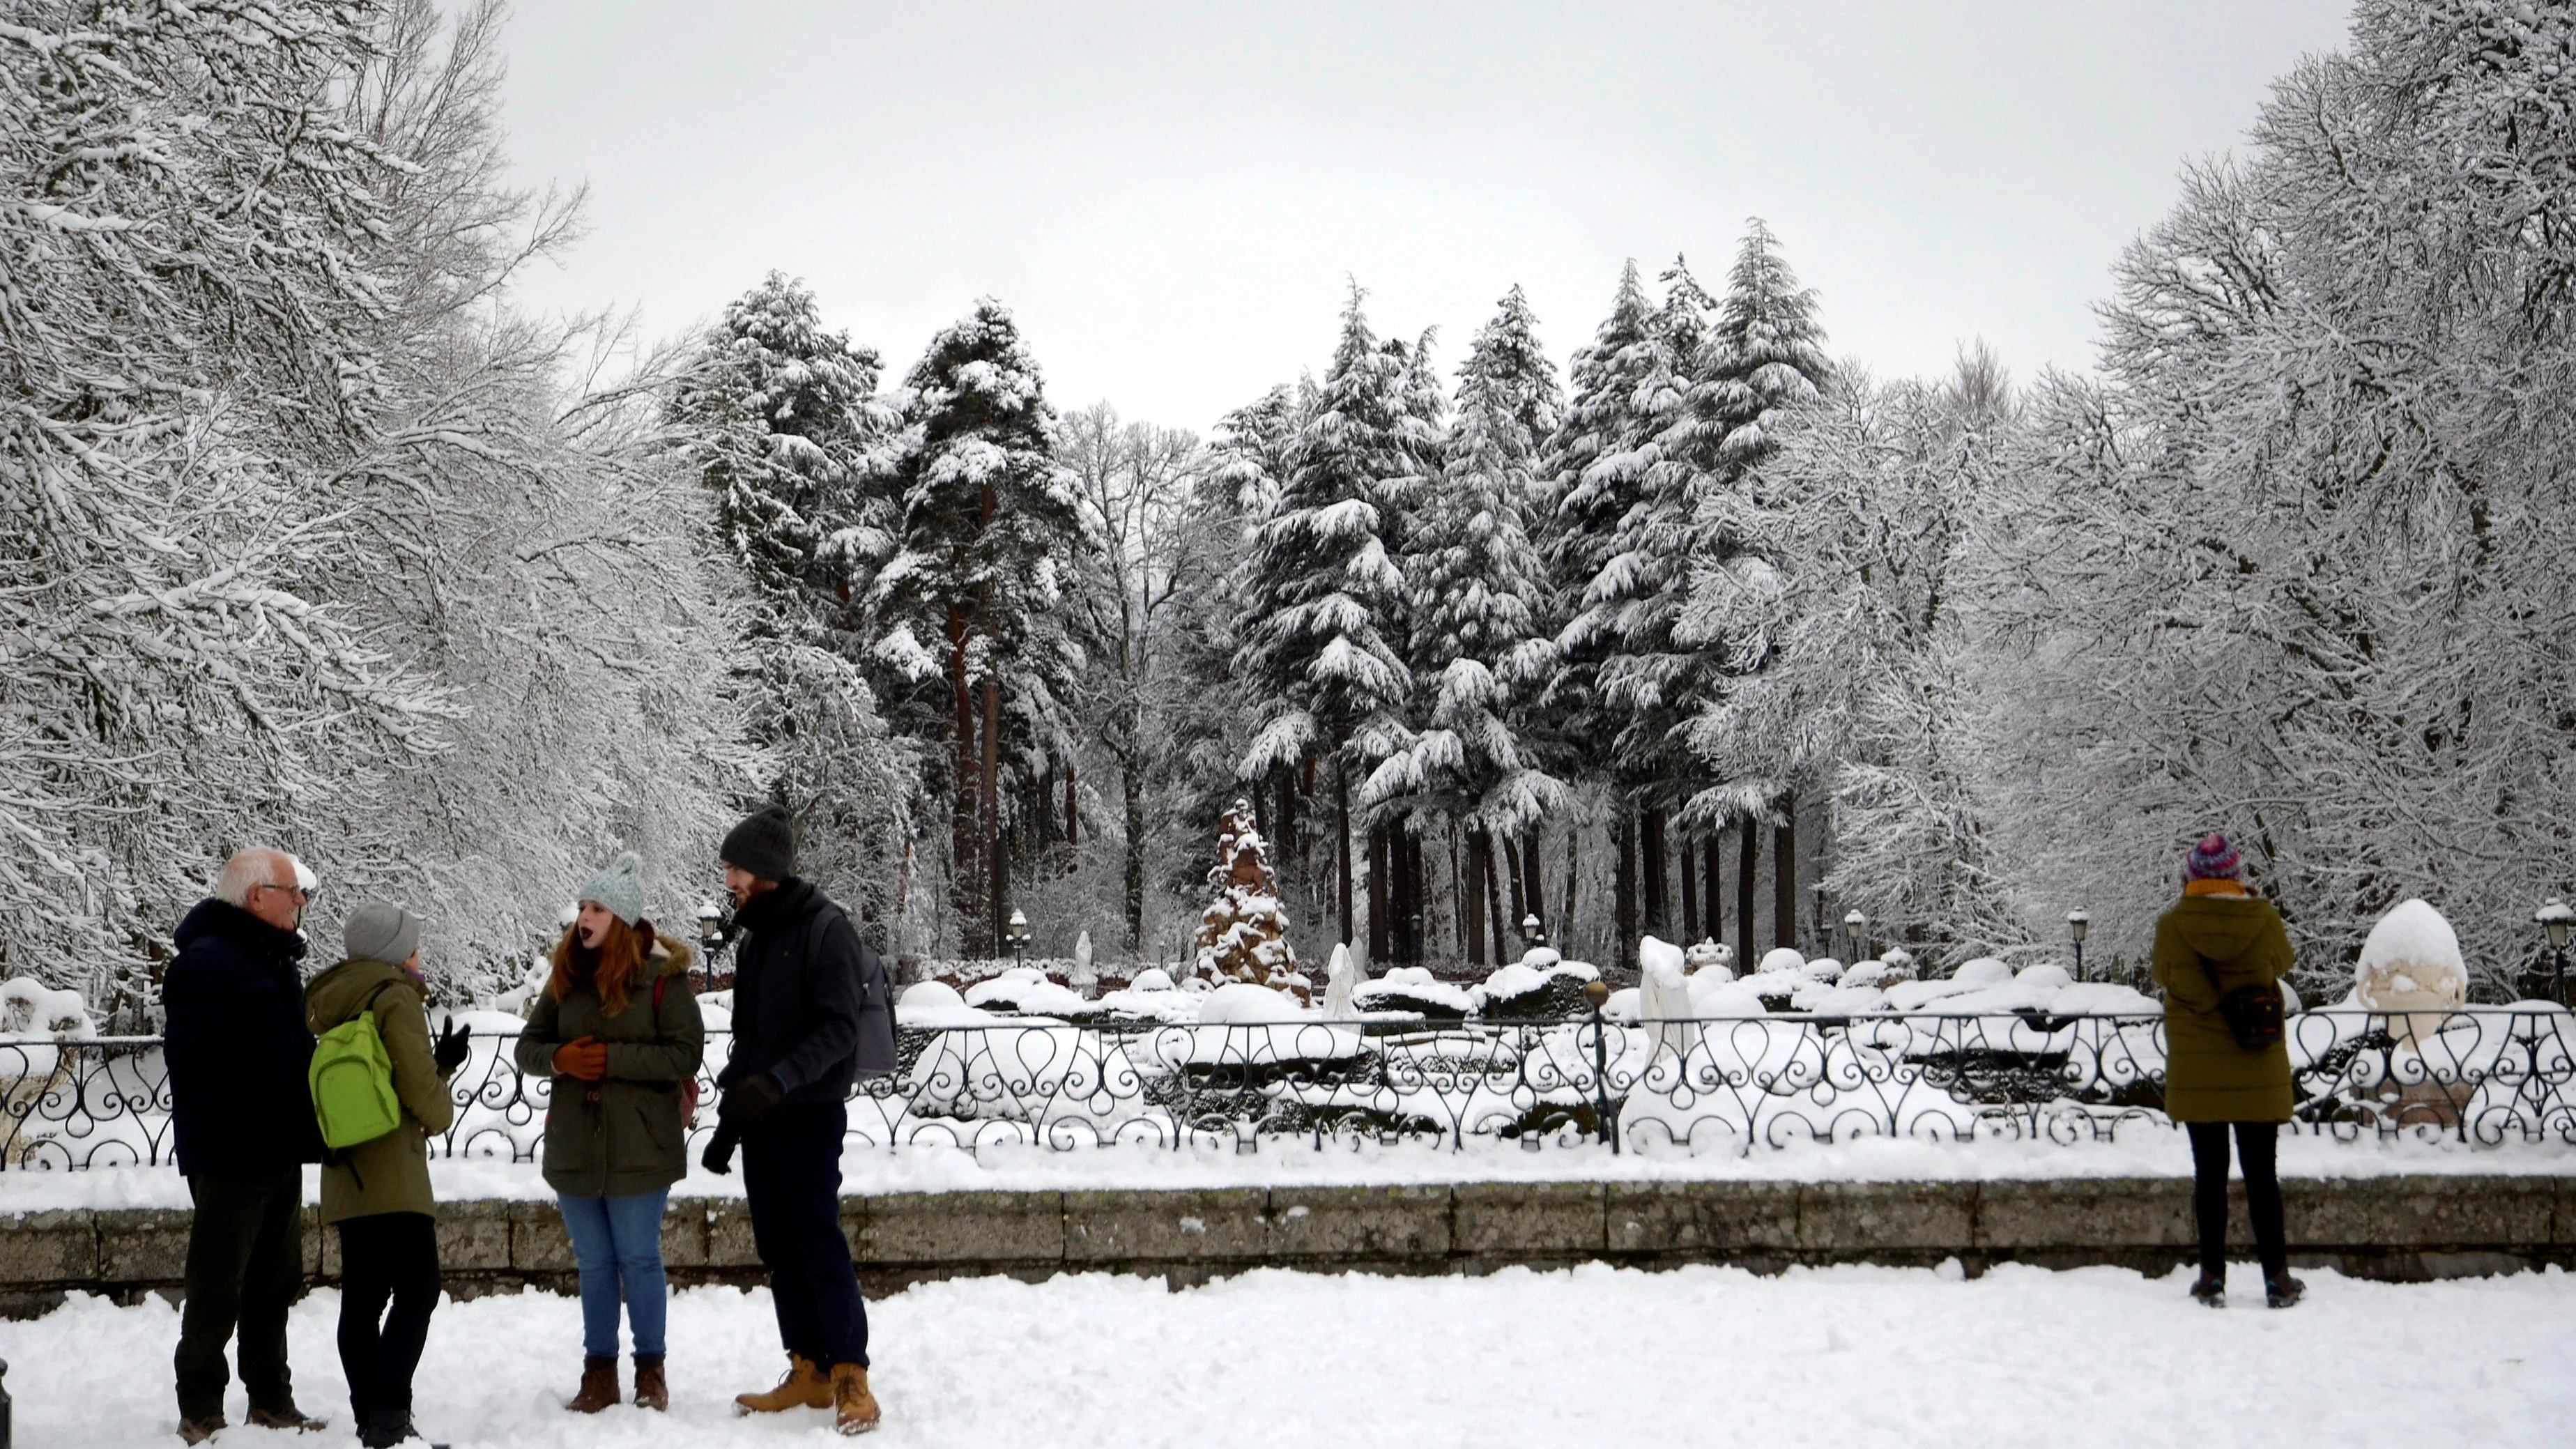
[1837,1357]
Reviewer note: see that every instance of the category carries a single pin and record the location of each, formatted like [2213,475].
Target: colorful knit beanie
[2213,859]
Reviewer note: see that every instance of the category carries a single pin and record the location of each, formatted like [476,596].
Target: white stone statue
[1341,978]
[1084,979]
[2410,966]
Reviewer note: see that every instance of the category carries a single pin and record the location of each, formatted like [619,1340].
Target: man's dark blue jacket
[811,1003]
[236,1046]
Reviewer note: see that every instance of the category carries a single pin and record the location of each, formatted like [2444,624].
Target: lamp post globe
[2079,924]
[1018,936]
[1854,922]
[1533,930]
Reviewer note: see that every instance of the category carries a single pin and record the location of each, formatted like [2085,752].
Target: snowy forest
[313,536]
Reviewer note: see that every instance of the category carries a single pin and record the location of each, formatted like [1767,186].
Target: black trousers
[386,1260]
[2255,1143]
[791,1172]
[245,1267]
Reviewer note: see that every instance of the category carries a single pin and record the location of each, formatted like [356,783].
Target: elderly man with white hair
[242,1123]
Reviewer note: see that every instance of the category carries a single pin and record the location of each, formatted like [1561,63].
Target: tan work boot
[199,1430]
[804,1387]
[598,1386]
[652,1391]
[854,1409]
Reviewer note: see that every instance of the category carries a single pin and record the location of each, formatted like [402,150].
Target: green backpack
[352,1079]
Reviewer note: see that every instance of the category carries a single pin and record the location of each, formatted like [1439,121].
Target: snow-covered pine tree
[971,607]
[778,415]
[1480,647]
[1243,935]
[1762,356]
[1323,645]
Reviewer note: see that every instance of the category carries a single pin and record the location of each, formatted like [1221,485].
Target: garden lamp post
[2558,922]
[2079,924]
[1816,893]
[1533,930]
[711,939]
[1853,924]
[1016,936]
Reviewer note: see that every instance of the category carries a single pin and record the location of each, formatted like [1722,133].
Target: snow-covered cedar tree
[1587,480]
[1243,934]
[1478,588]
[1323,642]
[971,608]
[779,419]
[778,415]
[2296,568]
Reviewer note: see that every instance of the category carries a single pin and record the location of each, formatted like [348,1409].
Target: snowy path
[1844,1357]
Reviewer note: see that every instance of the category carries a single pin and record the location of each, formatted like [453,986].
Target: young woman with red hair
[617,1030]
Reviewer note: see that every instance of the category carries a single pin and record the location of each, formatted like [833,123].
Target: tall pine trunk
[1650,866]
[1715,923]
[1494,897]
[1573,862]
[1470,855]
[1784,877]
[1748,865]
[1132,785]
[996,879]
[1690,898]
[1537,877]
[1623,886]
[1342,847]
[1380,945]
[965,882]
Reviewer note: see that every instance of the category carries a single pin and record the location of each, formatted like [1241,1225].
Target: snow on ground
[1845,1357]
[2142,1150]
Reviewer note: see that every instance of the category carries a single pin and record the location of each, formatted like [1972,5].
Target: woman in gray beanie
[617,1030]
[376,1193]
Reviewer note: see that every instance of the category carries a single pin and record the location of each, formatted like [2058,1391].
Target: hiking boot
[289,1417]
[2283,1291]
[2209,1290]
[854,1409]
[386,1428]
[200,1429]
[803,1387]
[598,1386]
[650,1391]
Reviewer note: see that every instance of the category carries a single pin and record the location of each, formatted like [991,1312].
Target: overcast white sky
[1171,196]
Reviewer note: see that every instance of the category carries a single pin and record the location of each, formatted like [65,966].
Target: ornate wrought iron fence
[2485,1076]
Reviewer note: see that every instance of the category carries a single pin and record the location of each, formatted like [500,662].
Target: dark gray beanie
[764,844]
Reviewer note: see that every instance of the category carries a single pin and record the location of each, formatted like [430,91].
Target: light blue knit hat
[619,886]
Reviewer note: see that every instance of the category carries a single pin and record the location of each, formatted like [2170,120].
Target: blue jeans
[618,1243]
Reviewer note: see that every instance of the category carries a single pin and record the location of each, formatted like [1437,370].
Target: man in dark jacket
[242,1122]
[812,1012]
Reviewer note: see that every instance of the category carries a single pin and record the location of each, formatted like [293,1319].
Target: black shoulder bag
[2252,1013]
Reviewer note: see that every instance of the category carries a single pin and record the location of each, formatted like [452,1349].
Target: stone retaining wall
[2394,1227]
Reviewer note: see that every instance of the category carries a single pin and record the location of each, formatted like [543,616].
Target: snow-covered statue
[1243,934]
[1341,977]
[1664,1000]
[2410,966]
[1710,955]
[1084,978]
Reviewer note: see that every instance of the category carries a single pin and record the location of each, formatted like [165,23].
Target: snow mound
[1241,1003]
[1027,991]
[1984,971]
[927,1004]
[1779,958]
[2411,961]
[29,1008]
[1152,978]
[1867,973]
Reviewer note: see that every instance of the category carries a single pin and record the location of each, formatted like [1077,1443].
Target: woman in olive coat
[2221,937]
[618,1032]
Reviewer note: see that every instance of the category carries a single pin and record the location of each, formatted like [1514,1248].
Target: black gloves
[719,1154]
[450,1048]
[749,1100]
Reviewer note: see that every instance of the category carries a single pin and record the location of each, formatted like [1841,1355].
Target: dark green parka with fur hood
[621,1135]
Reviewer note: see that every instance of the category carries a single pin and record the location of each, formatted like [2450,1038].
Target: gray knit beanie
[380,931]
[763,844]
[619,886]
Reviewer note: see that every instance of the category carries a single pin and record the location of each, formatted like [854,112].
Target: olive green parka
[621,1135]
[2207,946]
[391,1173]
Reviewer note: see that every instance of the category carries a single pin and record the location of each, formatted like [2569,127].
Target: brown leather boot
[598,1386]
[650,1391]
[854,1409]
[804,1387]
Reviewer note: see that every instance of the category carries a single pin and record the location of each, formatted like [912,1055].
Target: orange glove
[586,1059]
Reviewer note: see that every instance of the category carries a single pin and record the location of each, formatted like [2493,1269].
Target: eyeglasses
[299,892]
